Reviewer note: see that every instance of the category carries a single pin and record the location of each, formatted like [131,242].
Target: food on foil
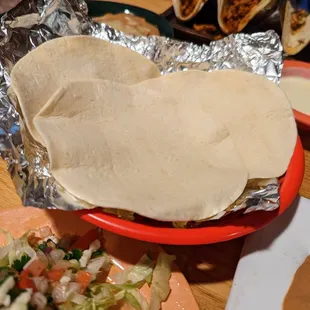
[234,15]
[129,24]
[295,29]
[153,152]
[36,77]
[165,156]
[298,296]
[187,9]
[297,89]
[40,271]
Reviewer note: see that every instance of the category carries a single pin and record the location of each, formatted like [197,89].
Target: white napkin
[269,260]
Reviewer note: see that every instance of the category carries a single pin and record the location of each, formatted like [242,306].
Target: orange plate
[20,220]
[300,69]
[216,231]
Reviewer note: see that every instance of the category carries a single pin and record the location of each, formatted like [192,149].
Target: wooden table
[210,268]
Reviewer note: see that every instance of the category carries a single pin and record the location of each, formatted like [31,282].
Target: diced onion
[95,245]
[39,301]
[42,257]
[96,264]
[56,255]
[61,264]
[62,291]
[45,232]
[41,284]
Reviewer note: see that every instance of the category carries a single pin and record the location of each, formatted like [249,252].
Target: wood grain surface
[210,268]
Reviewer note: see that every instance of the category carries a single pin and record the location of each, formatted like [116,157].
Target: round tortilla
[139,149]
[294,41]
[36,77]
[185,10]
[256,112]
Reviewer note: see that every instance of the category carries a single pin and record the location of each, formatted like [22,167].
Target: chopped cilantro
[68,256]
[42,246]
[19,264]
[15,292]
[49,298]
[77,254]
[97,253]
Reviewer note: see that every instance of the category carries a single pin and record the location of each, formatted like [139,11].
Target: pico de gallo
[39,271]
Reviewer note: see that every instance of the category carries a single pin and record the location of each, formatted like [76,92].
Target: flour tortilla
[294,41]
[36,77]
[185,10]
[245,18]
[141,150]
[255,111]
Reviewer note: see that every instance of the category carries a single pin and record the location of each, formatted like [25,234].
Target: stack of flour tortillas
[179,147]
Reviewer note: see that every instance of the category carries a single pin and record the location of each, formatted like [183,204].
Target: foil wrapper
[33,22]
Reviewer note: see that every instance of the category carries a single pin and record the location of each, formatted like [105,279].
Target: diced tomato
[25,281]
[55,274]
[25,273]
[84,241]
[36,267]
[83,278]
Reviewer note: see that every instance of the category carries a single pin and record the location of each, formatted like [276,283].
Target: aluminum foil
[33,22]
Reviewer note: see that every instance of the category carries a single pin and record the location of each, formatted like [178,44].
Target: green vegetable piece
[132,300]
[77,254]
[97,253]
[68,256]
[42,246]
[15,292]
[49,298]
[19,264]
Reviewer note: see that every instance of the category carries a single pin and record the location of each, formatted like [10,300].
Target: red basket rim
[243,225]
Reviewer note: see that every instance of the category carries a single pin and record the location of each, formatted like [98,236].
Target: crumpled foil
[33,22]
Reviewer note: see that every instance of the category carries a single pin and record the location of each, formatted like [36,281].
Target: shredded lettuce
[160,288]
[136,300]
[97,295]
[105,295]
[99,263]
[142,271]
[20,247]
[4,251]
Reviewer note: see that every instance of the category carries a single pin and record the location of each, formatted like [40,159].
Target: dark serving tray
[208,15]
